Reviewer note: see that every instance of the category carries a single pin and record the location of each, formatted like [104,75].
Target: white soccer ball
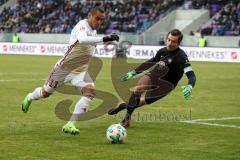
[116,134]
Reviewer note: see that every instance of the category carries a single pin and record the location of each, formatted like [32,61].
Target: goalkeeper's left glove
[129,75]
[187,91]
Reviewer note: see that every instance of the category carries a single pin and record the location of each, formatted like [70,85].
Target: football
[116,134]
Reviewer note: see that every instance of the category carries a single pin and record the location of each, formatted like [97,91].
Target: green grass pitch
[156,131]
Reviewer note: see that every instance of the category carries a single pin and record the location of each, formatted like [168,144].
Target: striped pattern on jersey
[77,57]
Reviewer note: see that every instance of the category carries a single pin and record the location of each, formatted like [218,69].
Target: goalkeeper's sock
[80,108]
[133,102]
[36,94]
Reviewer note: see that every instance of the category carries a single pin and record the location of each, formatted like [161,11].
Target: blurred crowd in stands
[2,2]
[225,19]
[59,16]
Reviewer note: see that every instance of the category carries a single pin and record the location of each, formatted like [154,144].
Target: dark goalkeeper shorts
[160,88]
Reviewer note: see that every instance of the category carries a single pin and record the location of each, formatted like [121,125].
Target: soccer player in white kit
[72,67]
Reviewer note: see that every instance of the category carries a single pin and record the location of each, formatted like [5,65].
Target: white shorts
[58,77]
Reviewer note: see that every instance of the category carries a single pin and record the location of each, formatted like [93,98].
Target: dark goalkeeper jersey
[176,63]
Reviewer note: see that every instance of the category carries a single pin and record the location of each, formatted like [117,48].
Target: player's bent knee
[140,89]
[45,94]
[88,91]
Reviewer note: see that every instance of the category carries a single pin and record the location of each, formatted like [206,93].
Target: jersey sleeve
[187,68]
[83,37]
[149,63]
[186,64]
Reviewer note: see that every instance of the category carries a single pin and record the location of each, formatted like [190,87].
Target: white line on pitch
[22,73]
[216,119]
[16,80]
[211,124]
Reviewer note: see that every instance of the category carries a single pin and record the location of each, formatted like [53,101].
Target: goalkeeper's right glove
[112,37]
[129,75]
[187,91]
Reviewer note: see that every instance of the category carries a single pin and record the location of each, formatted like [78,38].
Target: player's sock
[126,120]
[36,94]
[133,102]
[80,108]
[131,106]
[120,107]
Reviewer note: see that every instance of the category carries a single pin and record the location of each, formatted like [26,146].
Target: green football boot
[26,103]
[70,128]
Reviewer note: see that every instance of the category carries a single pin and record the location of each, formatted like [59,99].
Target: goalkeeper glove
[129,75]
[187,91]
[112,37]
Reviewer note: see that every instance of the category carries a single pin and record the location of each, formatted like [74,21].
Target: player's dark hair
[97,9]
[176,32]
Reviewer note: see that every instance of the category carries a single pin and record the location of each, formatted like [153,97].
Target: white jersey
[82,44]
